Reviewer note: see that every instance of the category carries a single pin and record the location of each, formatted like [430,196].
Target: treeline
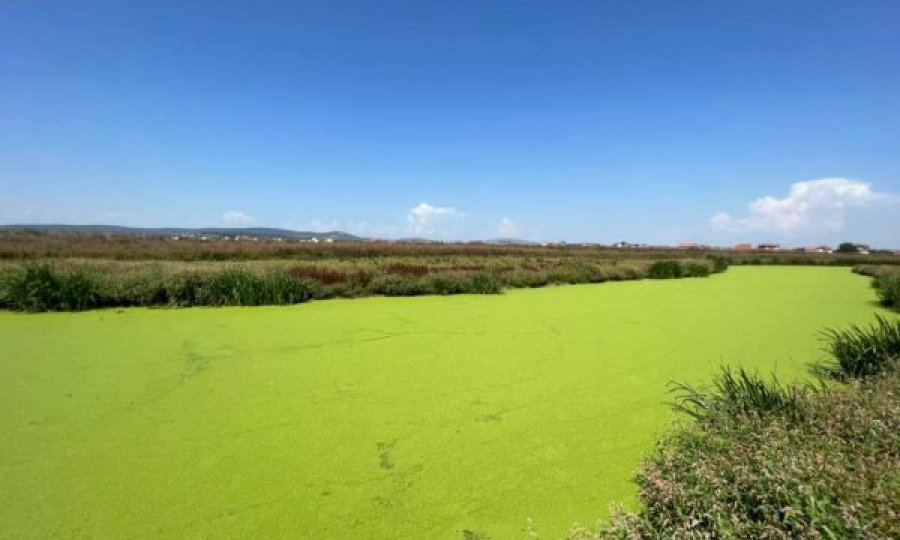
[760,459]
[73,285]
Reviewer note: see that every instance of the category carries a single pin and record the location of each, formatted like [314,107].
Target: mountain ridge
[268,232]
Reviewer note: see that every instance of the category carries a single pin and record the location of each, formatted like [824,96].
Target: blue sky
[654,122]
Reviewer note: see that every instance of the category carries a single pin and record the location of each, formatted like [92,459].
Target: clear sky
[659,122]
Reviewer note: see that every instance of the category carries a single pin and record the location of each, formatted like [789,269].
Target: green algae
[428,417]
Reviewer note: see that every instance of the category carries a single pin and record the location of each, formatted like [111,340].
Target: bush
[836,474]
[720,264]
[863,352]
[235,287]
[78,291]
[184,290]
[486,284]
[695,270]
[449,284]
[665,270]
[888,290]
[287,289]
[40,288]
[389,285]
[242,288]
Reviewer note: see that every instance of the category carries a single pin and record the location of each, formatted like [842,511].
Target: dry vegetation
[69,271]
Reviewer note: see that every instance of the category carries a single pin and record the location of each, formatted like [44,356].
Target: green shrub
[449,284]
[184,289]
[242,288]
[287,289]
[720,264]
[231,288]
[836,474]
[863,351]
[236,287]
[41,288]
[485,284]
[526,278]
[665,270]
[695,270]
[888,290]
[78,291]
[392,285]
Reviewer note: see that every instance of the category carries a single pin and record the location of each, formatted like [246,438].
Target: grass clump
[738,393]
[665,270]
[40,287]
[392,285]
[835,474]
[720,264]
[241,288]
[485,284]
[695,270]
[888,289]
[863,351]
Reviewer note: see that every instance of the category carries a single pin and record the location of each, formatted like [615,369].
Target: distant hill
[261,232]
[512,241]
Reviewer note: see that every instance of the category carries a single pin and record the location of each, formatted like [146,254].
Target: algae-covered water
[429,417]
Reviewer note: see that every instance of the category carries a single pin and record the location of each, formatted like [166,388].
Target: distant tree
[847,247]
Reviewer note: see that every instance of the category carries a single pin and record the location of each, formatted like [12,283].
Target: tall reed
[863,351]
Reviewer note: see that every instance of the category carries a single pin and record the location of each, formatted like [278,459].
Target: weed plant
[737,393]
[863,351]
[887,288]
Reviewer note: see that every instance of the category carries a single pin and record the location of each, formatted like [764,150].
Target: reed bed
[77,284]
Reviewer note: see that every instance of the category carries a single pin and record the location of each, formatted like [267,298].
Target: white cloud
[721,221]
[813,205]
[424,218]
[508,228]
[235,218]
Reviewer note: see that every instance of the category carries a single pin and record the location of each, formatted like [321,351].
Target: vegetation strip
[763,460]
[78,285]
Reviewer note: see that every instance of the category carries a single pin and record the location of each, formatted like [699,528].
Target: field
[429,417]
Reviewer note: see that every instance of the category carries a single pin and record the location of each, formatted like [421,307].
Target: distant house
[768,247]
[743,247]
[329,240]
[688,245]
[314,240]
[817,249]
